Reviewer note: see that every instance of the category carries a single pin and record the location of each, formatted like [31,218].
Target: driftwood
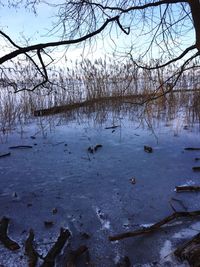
[190,251]
[187,188]
[19,147]
[156,226]
[192,148]
[74,256]
[196,169]
[49,259]
[8,243]
[30,250]
[5,155]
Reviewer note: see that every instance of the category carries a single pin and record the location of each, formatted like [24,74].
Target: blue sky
[16,22]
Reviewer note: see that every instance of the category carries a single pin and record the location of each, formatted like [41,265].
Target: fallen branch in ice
[187,188]
[49,259]
[5,155]
[8,243]
[86,103]
[30,250]
[19,147]
[74,256]
[156,226]
[192,148]
[190,251]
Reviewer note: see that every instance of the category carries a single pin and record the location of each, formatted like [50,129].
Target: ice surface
[92,193]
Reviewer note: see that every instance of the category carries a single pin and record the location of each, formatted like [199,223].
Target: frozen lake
[92,192]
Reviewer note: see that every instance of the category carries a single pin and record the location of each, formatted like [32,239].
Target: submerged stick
[8,243]
[74,256]
[19,147]
[49,259]
[30,250]
[156,226]
[192,148]
[5,155]
[187,188]
[196,169]
[190,251]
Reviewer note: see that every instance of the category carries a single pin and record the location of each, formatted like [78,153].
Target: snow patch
[185,233]
[188,232]
[117,259]
[167,257]
[166,250]
[146,225]
[189,182]
[102,218]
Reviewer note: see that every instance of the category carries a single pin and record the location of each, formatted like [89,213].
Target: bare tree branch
[23,50]
[185,52]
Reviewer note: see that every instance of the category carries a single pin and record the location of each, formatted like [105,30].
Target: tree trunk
[195,9]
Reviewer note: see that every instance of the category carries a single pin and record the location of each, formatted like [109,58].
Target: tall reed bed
[104,78]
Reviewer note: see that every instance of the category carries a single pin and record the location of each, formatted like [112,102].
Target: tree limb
[38,47]
[156,226]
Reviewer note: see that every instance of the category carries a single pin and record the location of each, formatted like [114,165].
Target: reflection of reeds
[101,87]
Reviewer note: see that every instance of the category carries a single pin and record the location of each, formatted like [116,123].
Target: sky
[17,22]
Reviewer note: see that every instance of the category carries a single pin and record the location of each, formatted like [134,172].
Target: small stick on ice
[5,155]
[187,188]
[112,127]
[192,148]
[19,147]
